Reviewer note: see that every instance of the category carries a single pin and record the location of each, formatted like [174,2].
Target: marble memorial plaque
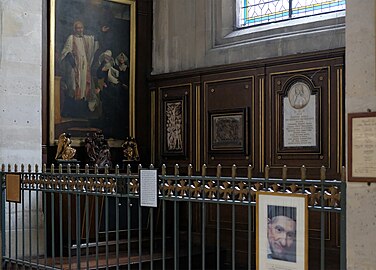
[299,117]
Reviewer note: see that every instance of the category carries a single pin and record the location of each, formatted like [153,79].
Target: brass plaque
[13,188]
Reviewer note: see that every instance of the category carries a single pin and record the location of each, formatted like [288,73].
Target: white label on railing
[149,193]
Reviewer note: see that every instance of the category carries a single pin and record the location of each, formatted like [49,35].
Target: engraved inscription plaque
[299,117]
[364,147]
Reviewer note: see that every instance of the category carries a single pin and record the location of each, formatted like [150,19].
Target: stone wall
[20,104]
[360,96]
[200,33]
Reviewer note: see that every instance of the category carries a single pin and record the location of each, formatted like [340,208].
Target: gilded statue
[64,149]
[130,150]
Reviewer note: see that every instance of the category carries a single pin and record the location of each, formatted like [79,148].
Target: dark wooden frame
[369,146]
[228,147]
[182,100]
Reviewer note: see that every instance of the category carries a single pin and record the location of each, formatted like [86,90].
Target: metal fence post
[343,220]
[2,213]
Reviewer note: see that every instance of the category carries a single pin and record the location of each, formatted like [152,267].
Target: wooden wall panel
[169,92]
[320,76]
[223,94]
[260,88]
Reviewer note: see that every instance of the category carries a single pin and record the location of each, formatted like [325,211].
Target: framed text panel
[362,147]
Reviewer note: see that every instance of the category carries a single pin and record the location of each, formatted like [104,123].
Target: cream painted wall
[199,33]
[20,106]
[360,96]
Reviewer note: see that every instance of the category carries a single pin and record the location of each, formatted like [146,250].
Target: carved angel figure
[64,149]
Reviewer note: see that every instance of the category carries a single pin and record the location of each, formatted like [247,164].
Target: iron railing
[92,219]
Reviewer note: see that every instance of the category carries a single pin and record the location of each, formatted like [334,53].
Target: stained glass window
[256,12]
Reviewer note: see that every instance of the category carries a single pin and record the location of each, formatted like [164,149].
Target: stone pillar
[20,108]
[360,96]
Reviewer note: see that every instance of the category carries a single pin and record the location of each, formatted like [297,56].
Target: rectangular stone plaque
[299,125]
[13,188]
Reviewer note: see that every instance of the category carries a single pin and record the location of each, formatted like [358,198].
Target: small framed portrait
[173,121]
[281,231]
[228,130]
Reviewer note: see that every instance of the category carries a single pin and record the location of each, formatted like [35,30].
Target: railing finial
[77,168]
[176,170]
[129,169]
[22,168]
[87,168]
[343,174]
[267,168]
[323,173]
[106,169]
[52,168]
[250,168]
[284,173]
[303,172]
[190,170]
[36,168]
[60,168]
[163,169]
[44,168]
[117,168]
[233,171]
[203,171]
[219,171]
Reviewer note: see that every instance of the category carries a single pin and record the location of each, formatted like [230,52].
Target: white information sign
[148,187]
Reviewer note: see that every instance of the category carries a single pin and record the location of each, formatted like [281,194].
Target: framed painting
[92,69]
[362,147]
[228,130]
[281,231]
[173,124]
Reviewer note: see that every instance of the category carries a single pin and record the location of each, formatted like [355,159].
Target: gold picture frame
[92,54]
[281,231]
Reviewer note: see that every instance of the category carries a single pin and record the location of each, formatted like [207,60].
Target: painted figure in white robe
[78,55]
